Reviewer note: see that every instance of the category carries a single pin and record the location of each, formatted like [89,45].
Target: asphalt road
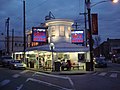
[30,80]
[102,79]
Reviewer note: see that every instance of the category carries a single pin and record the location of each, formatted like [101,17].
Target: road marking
[20,87]
[24,71]
[15,75]
[71,82]
[49,84]
[113,75]
[95,73]
[4,82]
[56,76]
[50,75]
[103,74]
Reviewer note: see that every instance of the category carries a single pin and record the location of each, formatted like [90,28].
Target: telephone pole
[12,39]
[85,22]
[7,25]
[90,34]
[24,27]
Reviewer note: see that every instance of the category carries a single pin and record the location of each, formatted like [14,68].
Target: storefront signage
[38,34]
[77,36]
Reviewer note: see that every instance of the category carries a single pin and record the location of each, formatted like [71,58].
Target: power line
[28,11]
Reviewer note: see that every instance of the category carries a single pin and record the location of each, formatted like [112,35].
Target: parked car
[0,61]
[100,62]
[5,60]
[17,64]
[116,58]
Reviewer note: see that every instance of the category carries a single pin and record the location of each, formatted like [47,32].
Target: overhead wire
[28,11]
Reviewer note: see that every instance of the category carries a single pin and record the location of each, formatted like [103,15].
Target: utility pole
[76,26]
[7,23]
[24,27]
[85,23]
[85,18]
[12,39]
[90,33]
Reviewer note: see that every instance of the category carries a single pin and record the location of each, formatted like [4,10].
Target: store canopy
[60,47]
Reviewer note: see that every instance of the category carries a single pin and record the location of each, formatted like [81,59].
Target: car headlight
[24,65]
[15,65]
[95,62]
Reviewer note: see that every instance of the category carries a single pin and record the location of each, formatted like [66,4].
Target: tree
[97,40]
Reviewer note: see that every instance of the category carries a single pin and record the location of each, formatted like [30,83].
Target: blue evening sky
[36,10]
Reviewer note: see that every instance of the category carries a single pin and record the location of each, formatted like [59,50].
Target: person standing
[69,65]
[63,65]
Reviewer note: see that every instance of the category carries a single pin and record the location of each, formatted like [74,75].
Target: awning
[60,47]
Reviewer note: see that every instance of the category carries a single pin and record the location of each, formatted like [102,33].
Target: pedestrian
[68,65]
[63,65]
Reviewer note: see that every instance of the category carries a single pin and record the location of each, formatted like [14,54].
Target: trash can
[31,64]
[57,66]
[88,66]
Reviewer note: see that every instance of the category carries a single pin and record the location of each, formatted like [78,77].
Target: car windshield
[7,57]
[100,60]
[16,61]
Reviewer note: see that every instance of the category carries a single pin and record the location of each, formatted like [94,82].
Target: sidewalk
[71,72]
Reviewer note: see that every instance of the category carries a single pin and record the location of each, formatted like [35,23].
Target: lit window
[62,31]
[53,31]
[69,31]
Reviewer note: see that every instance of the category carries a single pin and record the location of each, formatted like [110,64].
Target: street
[102,79]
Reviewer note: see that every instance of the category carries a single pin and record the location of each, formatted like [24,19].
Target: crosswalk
[15,76]
[107,74]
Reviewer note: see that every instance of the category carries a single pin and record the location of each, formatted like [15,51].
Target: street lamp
[88,5]
[113,1]
[52,47]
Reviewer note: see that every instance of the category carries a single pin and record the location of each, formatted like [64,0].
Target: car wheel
[9,67]
[12,67]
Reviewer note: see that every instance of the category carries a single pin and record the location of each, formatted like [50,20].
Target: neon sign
[77,36]
[38,34]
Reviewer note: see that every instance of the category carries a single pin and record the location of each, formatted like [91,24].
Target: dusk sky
[36,10]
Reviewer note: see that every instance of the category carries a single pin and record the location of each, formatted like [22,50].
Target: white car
[17,64]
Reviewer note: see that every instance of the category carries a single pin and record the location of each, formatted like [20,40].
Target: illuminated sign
[77,36]
[38,34]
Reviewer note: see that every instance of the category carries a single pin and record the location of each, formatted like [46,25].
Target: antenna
[50,16]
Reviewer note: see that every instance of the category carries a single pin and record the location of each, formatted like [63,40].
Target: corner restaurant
[60,44]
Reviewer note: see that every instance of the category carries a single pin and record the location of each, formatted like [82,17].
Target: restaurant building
[55,42]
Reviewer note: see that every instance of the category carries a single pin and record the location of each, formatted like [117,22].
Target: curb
[63,73]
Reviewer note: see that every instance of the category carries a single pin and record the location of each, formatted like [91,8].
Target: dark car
[116,58]
[17,64]
[100,62]
[5,60]
[0,60]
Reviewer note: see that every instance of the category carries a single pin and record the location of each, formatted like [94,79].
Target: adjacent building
[108,48]
[15,44]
